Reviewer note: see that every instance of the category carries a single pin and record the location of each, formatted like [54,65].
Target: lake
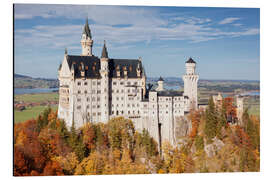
[34,90]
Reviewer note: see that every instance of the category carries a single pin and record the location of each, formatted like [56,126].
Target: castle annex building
[96,89]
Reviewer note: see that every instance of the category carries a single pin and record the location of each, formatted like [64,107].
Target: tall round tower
[86,41]
[104,72]
[191,83]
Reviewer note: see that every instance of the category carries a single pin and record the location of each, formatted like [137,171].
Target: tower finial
[104,53]
[66,52]
[86,29]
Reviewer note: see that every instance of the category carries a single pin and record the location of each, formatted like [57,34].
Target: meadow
[33,111]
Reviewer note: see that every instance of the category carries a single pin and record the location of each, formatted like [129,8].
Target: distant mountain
[21,76]
[22,81]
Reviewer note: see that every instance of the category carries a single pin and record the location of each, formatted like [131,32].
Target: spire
[190,60]
[86,29]
[160,79]
[66,52]
[104,51]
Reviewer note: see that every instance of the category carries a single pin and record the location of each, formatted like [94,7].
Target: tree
[211,120]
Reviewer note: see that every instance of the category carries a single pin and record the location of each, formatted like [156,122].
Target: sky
[225,42]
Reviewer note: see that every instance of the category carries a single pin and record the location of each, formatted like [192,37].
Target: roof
[86,29]
[190,60]
[170,93]
[91,66]
[104,53]
[130,65]
[160,79]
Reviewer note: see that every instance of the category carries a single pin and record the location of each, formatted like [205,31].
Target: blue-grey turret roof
[104,53]
[86,29]
[190,60]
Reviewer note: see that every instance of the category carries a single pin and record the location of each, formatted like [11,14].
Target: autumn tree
[210,120]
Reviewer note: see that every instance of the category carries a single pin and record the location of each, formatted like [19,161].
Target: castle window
[98,99]
[87,99]
[128,91]
[87,107]
[117,98]
[122,98]
[79,83]
[98,106]
[78,107]
[121,83]
[135,83]
[116,112]
[94,114]
[85,91]
[122,91]
[114,83]
[128,105]
[112,112]
[98,83]
[128,112]
[112,91]
[117,91]
[79,92]
[138,112]
[98,91]
[122,112]
[85,83]
[94,106]
[166,112]
[99,113]
[79,100]
[128,83]
[133,105]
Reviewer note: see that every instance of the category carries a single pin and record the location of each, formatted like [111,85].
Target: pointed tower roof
[66,52]
[160,79]
[190,60]
[86,29]
[104,53]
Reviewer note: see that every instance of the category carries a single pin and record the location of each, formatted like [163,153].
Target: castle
[94,89]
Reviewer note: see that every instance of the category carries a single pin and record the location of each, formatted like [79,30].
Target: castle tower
[240,109]
[86,41]
[191,83]
[160,84]
[104,72]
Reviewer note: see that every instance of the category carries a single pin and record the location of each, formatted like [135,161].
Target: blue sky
[225,42]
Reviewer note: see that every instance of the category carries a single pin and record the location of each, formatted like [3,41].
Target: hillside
[22,81]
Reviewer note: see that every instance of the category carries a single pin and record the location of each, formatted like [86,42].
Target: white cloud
[228,20]
[145,25]
[237,24]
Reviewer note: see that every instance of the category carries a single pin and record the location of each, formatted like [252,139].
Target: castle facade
[96,89]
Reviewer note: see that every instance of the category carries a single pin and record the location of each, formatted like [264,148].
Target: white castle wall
[84,100]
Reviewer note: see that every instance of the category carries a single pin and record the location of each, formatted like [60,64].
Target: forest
[45,146]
